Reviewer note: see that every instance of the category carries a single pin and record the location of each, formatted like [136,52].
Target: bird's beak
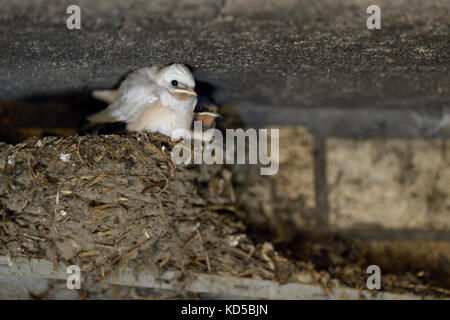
[190,92]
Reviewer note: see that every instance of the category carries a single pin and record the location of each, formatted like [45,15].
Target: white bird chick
[151,99]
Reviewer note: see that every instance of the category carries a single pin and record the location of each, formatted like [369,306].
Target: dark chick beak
[206,118]
[207,114]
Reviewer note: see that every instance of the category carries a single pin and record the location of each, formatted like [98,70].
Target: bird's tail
[103,116]
[101,122]
[106,115]
[107,96]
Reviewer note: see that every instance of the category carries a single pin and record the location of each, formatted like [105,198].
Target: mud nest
[115,203]
[110,203]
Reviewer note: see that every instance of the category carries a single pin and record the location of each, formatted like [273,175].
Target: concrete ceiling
[298,54]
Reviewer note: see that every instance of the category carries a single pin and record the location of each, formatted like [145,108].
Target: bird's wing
[138,90]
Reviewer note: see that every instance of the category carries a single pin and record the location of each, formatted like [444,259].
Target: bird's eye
[174,83]
[197,108]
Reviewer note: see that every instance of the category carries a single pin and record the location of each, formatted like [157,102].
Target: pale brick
[392,183]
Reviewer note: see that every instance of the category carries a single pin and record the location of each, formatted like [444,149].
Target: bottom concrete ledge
[203,283]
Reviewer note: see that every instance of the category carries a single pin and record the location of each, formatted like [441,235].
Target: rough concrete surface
[389,183]
[218,286]
[284,202]
[275,53]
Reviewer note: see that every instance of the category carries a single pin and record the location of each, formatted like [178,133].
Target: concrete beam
[204,283]
[294,54]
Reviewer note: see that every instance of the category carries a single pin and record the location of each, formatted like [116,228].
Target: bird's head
[178,80]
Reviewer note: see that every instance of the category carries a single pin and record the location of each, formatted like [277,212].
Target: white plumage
[151,99]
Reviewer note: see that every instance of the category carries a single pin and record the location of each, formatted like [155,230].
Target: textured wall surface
[275,53]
